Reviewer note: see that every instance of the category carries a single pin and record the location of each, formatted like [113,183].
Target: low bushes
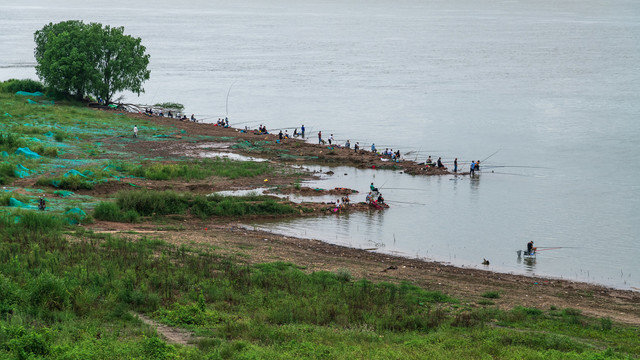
[28,85]
[150,203]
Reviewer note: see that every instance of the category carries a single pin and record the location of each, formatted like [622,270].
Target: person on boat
[530,249]
[347,144]
[472,168]
[455,165]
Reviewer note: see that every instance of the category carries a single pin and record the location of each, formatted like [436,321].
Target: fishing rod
[404,189]
[227,103]
[403,202]
[490,156]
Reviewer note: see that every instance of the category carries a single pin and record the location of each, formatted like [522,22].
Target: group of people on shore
[223,122]
[340,205]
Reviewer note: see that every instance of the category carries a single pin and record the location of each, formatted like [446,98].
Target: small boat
[526,253]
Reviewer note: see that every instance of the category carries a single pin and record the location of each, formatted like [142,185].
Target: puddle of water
[230,156]
[214,145]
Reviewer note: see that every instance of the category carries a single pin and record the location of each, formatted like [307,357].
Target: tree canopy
[88,59]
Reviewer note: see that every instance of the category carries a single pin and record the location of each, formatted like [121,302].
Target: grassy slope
[66,293]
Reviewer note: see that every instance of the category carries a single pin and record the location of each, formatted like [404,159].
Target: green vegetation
[62,299]
[170,105]
[27,85]
[200,169]
[131,204]
[491,295]
[80,59]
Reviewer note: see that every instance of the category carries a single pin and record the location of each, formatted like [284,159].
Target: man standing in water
[455,165]
[472,168]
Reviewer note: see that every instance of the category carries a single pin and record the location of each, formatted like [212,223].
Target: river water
[552,84]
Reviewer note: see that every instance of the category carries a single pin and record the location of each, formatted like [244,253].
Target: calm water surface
[554,85]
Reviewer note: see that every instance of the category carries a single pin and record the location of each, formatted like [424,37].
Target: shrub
[28,85]
[109,211]
[49,292]
[149,203]
[606,324]
[491,295]
[75,182]
[60,136]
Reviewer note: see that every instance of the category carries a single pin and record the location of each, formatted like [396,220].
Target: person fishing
[440,163]
[356,147]
[472,168]
[330,139]
[478,165]
[373,189]
[295,132]
[280,135]
[319,137]
[530,249]
[373,148]
[348,144]
[302,131]
[455,165]
[380,199]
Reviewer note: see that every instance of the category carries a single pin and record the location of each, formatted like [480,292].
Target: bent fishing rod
[227,102]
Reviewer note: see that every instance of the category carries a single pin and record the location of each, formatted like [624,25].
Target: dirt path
[171,334]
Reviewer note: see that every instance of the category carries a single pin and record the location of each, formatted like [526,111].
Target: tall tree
[80,59]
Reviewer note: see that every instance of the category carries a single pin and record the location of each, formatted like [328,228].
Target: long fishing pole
[490,155]
[227,103]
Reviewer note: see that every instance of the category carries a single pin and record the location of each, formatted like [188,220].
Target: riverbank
[255,247]
[293,150]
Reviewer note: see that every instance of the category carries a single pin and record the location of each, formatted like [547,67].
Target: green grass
[156,203]
[62,299]
[196,170]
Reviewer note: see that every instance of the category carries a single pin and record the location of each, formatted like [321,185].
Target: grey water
[552,84]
